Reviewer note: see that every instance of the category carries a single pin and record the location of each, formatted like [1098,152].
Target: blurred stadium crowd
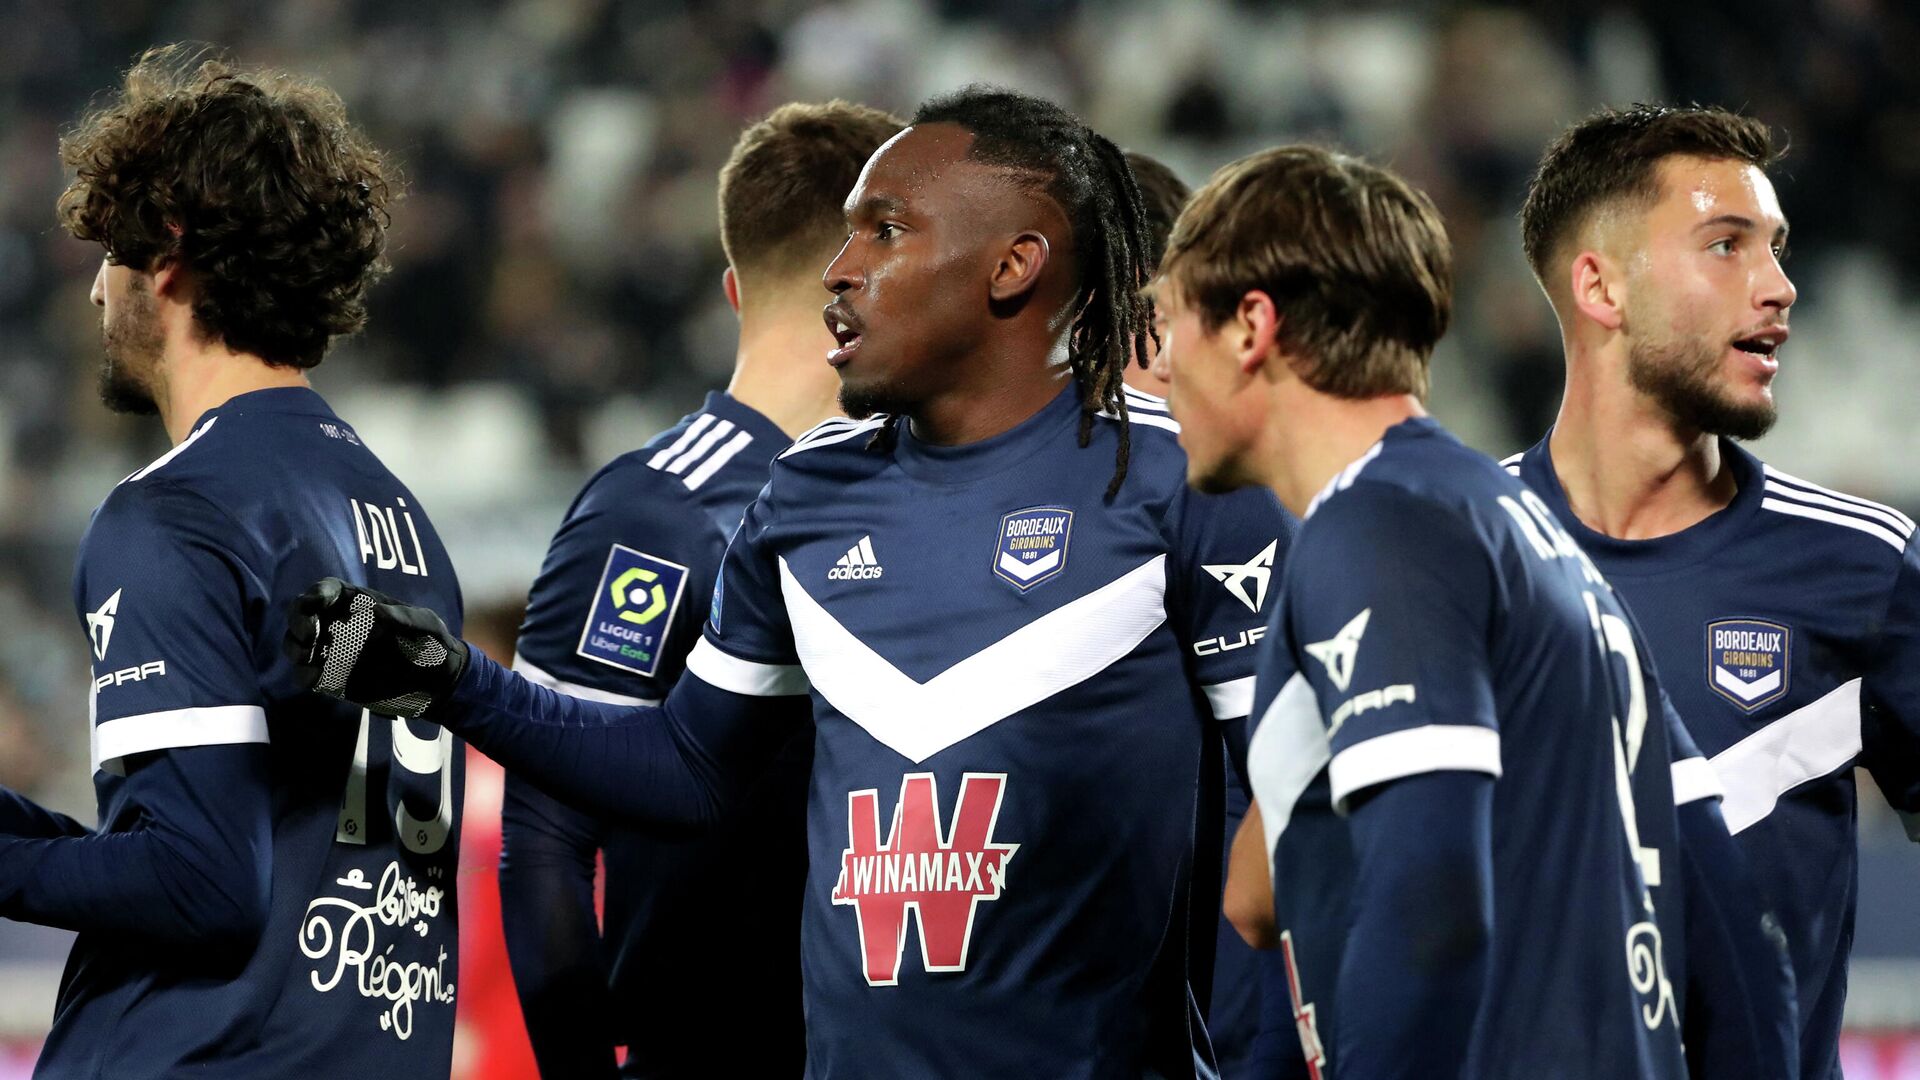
[555,291]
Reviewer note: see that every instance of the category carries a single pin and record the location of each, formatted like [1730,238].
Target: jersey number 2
[409,752]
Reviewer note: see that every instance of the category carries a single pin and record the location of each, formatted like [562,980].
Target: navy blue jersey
[618,603]
[1012,680]
[1787,627]
[183,580]
[1435,618]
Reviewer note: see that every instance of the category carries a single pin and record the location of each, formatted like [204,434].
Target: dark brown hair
[252,182]
[1355,260]
[782,188]
[1615,154]
[1163,194]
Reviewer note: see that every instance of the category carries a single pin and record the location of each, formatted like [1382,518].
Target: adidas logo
[858,564]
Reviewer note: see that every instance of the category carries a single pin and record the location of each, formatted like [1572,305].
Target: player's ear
[1597,290]
[1256,331]
[730,285]
[168,279]
[1017,271]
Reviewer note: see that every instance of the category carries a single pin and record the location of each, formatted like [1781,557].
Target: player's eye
[1780,253]
[1722,246]
[886,231]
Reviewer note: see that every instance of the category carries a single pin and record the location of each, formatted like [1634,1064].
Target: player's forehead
[917,169]
[1696,191]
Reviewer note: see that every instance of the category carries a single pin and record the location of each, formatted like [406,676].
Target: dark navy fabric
[1434,618]
[348,823]
[688,922]
[1787,631]
[1011,680]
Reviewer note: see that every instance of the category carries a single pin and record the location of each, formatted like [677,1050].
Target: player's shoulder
[1830,519]
[1418,489]
[832,451]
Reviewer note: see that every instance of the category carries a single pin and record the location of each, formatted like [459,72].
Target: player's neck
[1003,385]
[780,368]
[200,376]
[1321,435]
[1627,472]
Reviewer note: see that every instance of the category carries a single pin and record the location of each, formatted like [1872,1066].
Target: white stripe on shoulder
[1165,423]
[1512,464]
[1344,479]
[720,430]
[162,460]
[1411,752]
[704,472]
[1813,493]
[840,432]
[1832,517]
[1788,478]
[532,672]
[1232,699]
[217,725]
[1140,399]
[749,677]
[659,460]
[1694,779]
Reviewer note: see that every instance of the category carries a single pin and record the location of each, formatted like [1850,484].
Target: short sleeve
[1890,694]
[748,644]
[172,613]
[622,593]
[1230,551]
[1389,607]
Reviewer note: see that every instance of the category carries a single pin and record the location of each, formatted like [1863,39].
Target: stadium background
[555,297]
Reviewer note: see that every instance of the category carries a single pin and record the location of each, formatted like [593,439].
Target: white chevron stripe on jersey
[1880,510]
[1803,745]
[1834,517]
[714,434]
[715,460]
[1287,751]
[1694,779]
[1058,650]
[659,460]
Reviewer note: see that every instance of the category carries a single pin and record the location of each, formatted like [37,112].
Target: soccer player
[1444,666]
[270,890]
[1226,972]
[1006,615]
[612,616]
[1785,616]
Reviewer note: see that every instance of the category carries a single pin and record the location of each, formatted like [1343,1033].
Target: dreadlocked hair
[1049,149]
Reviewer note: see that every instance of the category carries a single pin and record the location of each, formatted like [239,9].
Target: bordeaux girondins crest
[1033,545]
[1747,660]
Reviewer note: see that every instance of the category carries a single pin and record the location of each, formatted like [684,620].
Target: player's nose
[842,273]
[99,292]
[1775,289]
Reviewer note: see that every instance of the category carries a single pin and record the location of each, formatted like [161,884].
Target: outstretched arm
[669,769]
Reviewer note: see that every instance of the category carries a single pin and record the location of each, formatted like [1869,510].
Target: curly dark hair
[1051,151]
[253,182]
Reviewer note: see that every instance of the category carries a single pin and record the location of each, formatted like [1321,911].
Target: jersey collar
[970,461]
[291,400]
[1662,553]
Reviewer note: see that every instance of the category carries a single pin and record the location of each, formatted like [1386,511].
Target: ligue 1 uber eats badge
[1747,661]
[632,610]
[1033,545]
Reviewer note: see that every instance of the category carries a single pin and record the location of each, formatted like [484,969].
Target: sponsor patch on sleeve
[633,609]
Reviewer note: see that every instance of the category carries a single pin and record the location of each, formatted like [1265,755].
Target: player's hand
[370,649]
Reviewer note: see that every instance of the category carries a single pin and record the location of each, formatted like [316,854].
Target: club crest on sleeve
[1747,661]
[1032,547]
[633,607]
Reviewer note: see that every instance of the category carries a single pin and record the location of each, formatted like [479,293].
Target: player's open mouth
[845,328]
[1764,345]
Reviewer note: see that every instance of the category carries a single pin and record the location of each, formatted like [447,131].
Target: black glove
[354,643]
